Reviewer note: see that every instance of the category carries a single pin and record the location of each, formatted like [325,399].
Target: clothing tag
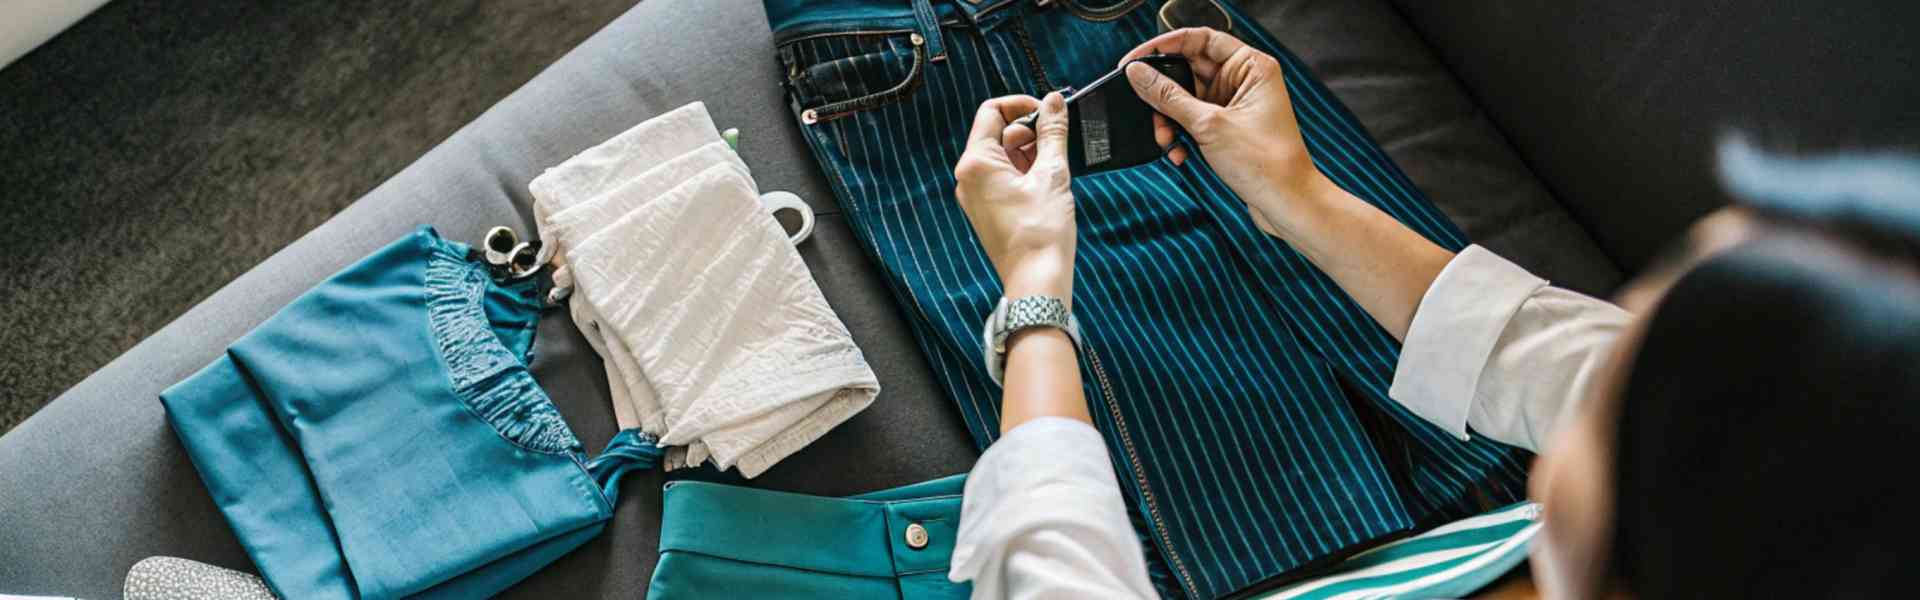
[1096,141]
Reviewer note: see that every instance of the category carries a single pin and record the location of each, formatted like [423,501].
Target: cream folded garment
[716,338]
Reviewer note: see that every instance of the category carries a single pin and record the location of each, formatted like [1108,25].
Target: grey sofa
[1573,137]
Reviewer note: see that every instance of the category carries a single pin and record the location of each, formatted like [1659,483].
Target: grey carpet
[159,148]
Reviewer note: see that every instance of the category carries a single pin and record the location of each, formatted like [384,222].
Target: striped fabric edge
[1450,561]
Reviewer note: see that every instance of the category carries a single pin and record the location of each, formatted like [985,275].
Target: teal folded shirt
[382,437]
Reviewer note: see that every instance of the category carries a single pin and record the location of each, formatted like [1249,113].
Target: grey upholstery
[96,481]
[1617,105]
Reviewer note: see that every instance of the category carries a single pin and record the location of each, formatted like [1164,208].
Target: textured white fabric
[1042,517]
[591,174]
[589,216]
[1495,349]
[634,403]
[716,338]
[620,159]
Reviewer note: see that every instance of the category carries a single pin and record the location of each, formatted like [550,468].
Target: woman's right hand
[1242,119]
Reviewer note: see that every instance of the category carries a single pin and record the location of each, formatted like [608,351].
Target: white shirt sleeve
[1042,517]
[1496,349]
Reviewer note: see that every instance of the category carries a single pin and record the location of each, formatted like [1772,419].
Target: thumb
[1050,131]
[1160,92]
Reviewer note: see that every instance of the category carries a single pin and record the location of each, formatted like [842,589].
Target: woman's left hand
[1014,186]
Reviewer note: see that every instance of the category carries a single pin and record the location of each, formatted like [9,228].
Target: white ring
[777,200]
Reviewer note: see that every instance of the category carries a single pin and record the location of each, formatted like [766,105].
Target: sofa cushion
[1618,105]
[96,481]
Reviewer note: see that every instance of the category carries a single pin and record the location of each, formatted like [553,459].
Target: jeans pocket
[833,76]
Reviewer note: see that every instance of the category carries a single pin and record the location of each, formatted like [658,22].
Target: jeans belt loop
[790,66]
[928,21]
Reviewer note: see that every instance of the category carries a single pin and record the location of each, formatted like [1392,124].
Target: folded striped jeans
[1241,393]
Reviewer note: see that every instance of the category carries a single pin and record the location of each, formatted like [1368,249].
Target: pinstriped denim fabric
[1243,394]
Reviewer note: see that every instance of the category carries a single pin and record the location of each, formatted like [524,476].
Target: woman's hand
[1013,185]
[1242,119]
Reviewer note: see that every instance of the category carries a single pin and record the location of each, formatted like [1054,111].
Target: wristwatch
[1015,314]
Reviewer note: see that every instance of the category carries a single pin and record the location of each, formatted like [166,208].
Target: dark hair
[1768,438]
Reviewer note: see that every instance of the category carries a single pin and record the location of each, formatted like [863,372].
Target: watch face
[991,349]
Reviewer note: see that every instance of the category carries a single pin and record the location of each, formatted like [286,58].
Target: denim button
[916,536]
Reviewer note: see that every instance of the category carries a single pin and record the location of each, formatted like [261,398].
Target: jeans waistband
[890,533]
[792,19]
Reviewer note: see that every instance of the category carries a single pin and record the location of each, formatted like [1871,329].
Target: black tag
[1109,127]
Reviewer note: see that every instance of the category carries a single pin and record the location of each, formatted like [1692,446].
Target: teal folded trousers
[725,541]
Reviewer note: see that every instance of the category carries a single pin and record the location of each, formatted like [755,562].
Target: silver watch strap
[1028,312]
[1015,314]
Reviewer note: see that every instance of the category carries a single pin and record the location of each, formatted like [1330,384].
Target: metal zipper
[1139,474]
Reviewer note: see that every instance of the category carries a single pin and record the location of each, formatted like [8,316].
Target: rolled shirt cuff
[1454,332]
[1044,470]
